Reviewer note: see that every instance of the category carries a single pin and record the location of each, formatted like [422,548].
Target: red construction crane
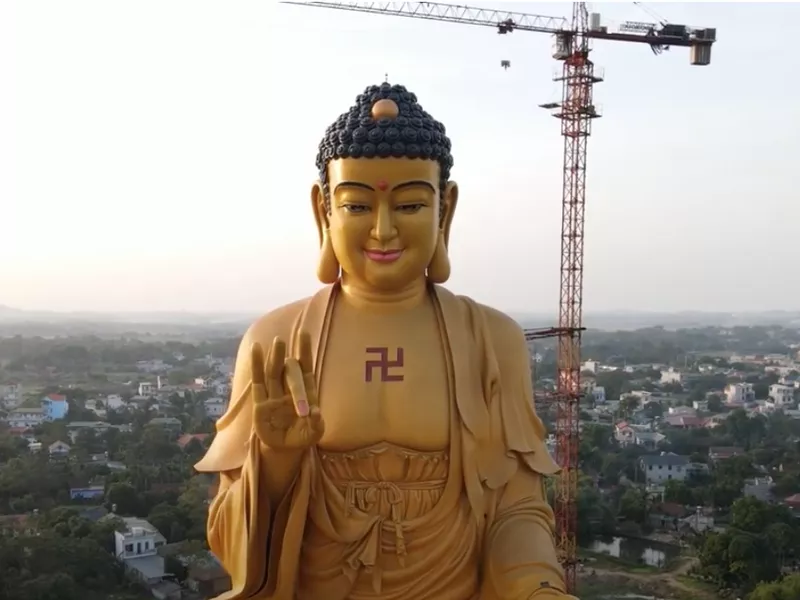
[576,110]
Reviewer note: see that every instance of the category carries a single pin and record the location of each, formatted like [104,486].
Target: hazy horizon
[157,157]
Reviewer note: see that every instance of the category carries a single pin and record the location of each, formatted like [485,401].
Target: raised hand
[285,409]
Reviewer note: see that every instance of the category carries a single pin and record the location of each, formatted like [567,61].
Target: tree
[53,567]
[746,431]
[170,520]
[751,515]
[628,405]
[754,547]
[680,493]
[595,516]
[614,382]
[715,404]
[633,506]
[123,499]
[612,466]
[653,410]
[761,390]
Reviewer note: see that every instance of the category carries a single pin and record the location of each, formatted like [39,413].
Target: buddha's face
[384,218]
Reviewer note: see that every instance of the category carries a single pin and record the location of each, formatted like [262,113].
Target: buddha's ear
[449,201]
[318,206]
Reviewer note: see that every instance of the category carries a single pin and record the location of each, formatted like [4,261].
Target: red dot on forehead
[383,184]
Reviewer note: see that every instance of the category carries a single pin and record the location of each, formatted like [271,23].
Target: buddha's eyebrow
[355,184]
[417,182]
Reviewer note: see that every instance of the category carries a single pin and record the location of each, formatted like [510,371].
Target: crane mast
[576,111]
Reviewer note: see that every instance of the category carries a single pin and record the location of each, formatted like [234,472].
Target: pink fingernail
[302,408]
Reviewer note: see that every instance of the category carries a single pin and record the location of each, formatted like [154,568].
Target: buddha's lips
[384,256]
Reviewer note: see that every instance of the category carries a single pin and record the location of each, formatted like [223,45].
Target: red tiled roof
[184,440]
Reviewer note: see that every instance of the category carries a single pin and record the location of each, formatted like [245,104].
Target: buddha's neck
[363,297]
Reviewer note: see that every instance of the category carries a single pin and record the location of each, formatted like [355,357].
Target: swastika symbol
[384,364]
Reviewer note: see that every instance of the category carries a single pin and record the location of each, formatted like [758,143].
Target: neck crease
[361,296]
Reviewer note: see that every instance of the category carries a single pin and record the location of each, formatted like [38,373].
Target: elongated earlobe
[328,266]
[439,268]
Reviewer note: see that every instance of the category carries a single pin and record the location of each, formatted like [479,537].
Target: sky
[159,155]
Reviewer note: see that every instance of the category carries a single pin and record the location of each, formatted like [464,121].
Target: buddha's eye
[356,208]
[411,208]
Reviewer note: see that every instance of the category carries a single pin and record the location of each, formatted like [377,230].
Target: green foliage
[51,566]
[760,539]
[80,354]
[786,589]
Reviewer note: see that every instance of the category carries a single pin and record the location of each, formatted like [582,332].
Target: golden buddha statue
[381,441]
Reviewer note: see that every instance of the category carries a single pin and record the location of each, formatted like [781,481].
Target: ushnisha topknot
[386,121]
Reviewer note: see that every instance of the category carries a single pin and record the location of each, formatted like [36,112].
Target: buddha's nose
[384,228]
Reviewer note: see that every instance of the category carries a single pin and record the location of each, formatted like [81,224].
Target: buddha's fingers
[293,375]
[259,391]
[316,422]
[257,363]
[275,361]
[305,357]
[304,354]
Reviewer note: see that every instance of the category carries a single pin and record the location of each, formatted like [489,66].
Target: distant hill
[14,319]
[627,320]
[16,315]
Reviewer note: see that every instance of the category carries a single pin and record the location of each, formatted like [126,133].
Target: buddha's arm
[228,452]
[520,556]
[256,483]
[238,525]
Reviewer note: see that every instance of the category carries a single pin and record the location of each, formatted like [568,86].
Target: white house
[660,468]
[153,366]
[759,487]
[682,411]
[781,395]
[25,417]
[671,376]
[97,407]
[11,394]
[737,394]
[590,365]
[597,393]
[137,547]
[221,387]
[215,408]
[58,449]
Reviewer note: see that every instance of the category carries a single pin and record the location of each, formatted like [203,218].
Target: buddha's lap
[406,535]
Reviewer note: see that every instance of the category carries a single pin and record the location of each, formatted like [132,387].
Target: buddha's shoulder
[505,333]
[276,323]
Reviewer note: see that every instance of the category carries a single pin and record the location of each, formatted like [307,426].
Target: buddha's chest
[385,380]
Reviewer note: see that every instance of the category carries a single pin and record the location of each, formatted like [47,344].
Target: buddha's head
[384,202]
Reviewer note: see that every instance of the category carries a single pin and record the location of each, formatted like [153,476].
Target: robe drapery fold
[501,459]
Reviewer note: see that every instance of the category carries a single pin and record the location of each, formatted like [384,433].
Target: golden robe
[468,524]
